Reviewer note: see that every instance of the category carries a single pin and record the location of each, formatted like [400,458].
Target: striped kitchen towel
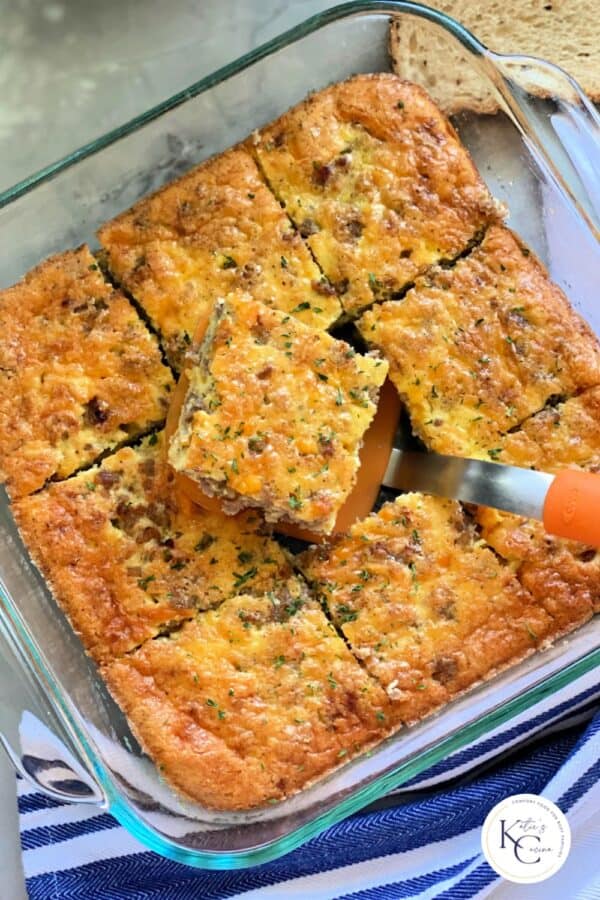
[425,843]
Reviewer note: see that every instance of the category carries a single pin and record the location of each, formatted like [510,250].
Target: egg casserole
[215,230]
[563,575]
[377,181]
[274,414]
[79,372]
[246,674]
[424,604]
[476,349]
[249,702]
[127,555]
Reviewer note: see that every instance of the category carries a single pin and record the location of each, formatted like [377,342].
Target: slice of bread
[565,32]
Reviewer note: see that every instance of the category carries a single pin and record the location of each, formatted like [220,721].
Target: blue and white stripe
[428,847]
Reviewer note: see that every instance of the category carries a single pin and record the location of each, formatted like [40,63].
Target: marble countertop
[70,71]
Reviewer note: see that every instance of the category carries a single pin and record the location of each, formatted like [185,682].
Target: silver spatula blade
[509,488]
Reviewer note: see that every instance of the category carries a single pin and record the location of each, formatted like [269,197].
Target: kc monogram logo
[526,838]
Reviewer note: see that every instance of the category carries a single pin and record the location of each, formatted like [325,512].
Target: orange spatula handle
[572,506]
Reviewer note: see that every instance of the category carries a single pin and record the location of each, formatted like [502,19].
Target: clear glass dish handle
[28,735]
[549,107]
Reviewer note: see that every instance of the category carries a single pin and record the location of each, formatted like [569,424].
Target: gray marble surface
[70,71]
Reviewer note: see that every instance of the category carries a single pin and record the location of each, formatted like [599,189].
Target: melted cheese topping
[376,179]
[275,414]
[216,230]
[254,695]
[374,457]
[79,372]
[249,702]
[126,554]
[476,349]
[566,435]
[563,575]
[428,609]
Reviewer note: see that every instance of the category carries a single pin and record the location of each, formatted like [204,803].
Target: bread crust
[79,372]
[376,178]
[538,29]
[215,230]
[466,90]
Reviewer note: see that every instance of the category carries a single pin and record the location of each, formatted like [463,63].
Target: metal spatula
[568,503]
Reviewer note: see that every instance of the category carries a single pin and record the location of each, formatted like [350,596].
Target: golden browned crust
[376,179]
[476,349]
[229,671]
[428,609]
[563,436]
[79,372]
[275,414]
[126,554]
[215,230]
[249,702]
[564,575]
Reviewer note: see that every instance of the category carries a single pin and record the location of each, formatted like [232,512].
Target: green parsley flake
[346,613]
[205,542]
[242,578]
[144,582]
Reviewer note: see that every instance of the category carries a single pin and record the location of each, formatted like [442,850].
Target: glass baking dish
[536,154]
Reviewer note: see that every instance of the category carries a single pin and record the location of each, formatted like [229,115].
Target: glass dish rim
[290,36]
[28,651]
[26,647]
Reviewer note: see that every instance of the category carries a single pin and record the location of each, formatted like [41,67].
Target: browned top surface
[428,608]
[215,230]
[126,554]
[79,372]
[565,575]
[249,702]
[476,349]
[376,178]
[275,414]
